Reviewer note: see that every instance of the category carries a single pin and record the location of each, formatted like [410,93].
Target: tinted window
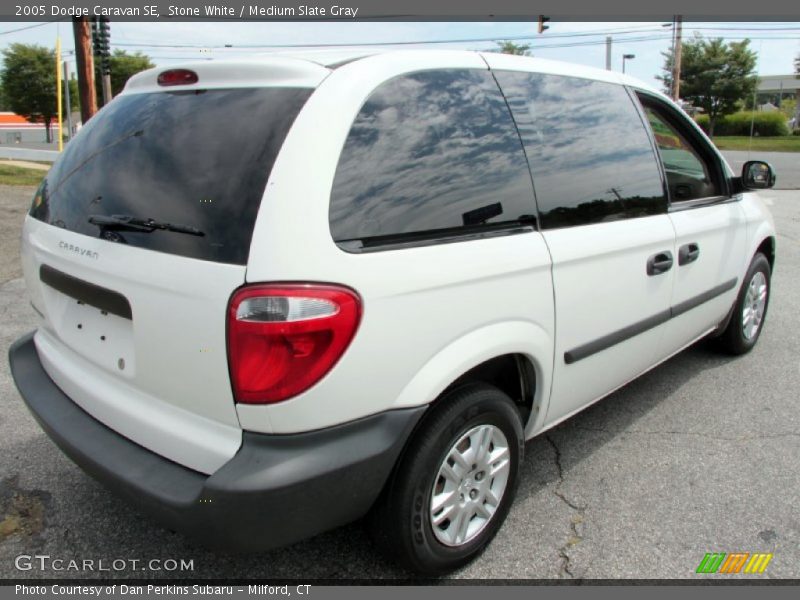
[434,150]
[688,175]
[200,159]
[588,149]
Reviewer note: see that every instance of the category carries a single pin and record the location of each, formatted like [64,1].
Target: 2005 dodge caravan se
[279,294]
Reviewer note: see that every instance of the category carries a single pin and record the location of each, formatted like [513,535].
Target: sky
[777,43]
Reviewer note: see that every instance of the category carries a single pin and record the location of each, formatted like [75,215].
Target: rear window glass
[199,160]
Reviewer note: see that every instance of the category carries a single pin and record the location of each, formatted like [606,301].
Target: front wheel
[750,309]
[454,486]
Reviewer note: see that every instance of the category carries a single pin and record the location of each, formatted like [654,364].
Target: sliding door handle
[688,253]
[659,263]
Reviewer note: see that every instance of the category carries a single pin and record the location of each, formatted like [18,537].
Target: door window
[690,176]
[588,149]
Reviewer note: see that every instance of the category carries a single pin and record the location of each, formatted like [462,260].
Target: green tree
[789,107]
[509,47]
[28,79]
[715,76]
[122,66]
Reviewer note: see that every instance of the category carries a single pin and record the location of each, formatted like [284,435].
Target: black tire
[733,339]
[400,523]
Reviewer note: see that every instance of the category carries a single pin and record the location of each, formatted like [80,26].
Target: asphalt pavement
[699,455]
[785,164]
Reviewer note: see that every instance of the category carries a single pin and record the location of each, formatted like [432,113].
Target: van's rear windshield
[198,160]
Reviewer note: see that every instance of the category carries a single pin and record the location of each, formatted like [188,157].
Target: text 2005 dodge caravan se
[277,295]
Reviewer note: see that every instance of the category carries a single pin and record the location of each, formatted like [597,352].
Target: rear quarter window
[430,154]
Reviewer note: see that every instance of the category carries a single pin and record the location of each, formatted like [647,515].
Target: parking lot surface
[699,455]
[785,164]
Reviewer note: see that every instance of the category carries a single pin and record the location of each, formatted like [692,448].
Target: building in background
[15,129]
[775,89]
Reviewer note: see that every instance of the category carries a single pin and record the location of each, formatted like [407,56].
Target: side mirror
[757,175]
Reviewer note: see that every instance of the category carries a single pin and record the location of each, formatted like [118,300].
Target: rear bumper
[276,490]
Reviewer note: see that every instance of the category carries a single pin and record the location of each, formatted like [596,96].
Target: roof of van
[307,68]
[328,57]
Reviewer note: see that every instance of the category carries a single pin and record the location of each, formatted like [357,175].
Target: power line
[781,28]
[618,29]
[6,32]
[392,43]
[615,31]
[637,32]
[597,32]
[534,48]
[231,51]
[650,39]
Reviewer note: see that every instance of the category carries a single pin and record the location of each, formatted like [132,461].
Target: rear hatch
[138,236]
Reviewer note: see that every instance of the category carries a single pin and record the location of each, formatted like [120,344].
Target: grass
[786,143]
[10,175]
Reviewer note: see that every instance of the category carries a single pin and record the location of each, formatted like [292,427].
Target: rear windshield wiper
[131,223]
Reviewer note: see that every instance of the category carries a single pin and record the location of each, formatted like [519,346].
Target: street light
[626,57]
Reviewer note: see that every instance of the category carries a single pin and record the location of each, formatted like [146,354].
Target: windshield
[200,159]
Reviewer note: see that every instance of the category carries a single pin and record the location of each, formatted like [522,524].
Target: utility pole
[608,53]
[85,67]
[58,94]
[676,60]
[101,41]
[542,27]
[67,103]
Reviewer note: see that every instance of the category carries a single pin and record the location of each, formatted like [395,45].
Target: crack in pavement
[710,436]
[575,536]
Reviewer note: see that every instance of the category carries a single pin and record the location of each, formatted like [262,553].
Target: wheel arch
[513,374]
[767,248]
[514,356]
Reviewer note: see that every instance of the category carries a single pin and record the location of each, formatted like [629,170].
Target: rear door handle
[688,253]
[659,263]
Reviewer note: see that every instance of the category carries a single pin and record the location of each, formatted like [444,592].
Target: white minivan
[279,294]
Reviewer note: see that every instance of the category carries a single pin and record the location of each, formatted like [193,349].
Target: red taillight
[177,77]
[283,339]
